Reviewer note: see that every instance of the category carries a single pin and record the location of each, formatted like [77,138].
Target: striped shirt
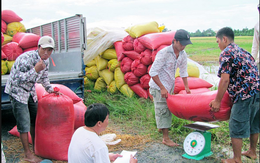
[21,82]
[165,65]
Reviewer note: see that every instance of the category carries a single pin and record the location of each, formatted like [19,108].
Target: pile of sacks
[137,52]
[104,73]
[102,66]
[14,40]
[133,53]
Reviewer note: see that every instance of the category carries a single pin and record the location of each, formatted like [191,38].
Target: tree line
[209,32]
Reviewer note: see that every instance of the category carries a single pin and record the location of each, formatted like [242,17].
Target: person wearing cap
[162,80]
[239,77]
[255,46]
[29,68]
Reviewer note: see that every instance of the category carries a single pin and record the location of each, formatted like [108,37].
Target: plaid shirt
[165,65]
[21,82]
[240,65]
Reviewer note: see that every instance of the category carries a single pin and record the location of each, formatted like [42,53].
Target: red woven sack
[138,47]
[62,88]
[9,16]
[193,83]
[119,50]
[146,57]
[195,107]
[149,67]
[54,126]
[131,54]
[125,65]
[79,112]
[144,81]
[128,43]
[131,79]
[138,68]
[3,27]
[195,91]
[2,37]
[18,36]
[30,49]
[137,88]
[154,40]
[3,56]
[12,50]
[29,40]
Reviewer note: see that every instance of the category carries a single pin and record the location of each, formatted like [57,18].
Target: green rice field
[205,49]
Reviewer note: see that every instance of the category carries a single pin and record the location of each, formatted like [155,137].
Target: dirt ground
[148,151]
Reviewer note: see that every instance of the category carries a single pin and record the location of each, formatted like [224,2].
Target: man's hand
[113,157]
[215,105]
[164,93]
[133,159]
[187,90]
[56,91]
[39,66]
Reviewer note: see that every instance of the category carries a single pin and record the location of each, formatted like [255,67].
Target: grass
[205,50]
[136,115]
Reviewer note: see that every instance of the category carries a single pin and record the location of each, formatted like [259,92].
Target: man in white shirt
[162,80]
[86,146]
[255,45]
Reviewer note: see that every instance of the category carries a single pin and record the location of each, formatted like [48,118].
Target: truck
[66,61]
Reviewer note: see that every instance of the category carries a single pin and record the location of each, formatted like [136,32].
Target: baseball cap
[46,42]
[182,36]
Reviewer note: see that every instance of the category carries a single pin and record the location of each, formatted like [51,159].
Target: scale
[197,144]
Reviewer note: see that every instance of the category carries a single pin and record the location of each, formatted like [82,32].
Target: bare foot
[32,158]
[230,160]
[249,154]
[170,143]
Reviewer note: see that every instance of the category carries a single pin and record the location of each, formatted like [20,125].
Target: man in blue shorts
[239,76]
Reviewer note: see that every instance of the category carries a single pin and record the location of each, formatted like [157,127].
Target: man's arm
[222,88]
[185,82]
[164,91]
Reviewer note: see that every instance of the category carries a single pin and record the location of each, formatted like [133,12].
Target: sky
[191,15]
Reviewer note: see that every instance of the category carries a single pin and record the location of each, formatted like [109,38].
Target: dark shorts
[25,114]
[244,118]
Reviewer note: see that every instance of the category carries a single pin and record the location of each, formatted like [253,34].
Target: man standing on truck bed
[29,68]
